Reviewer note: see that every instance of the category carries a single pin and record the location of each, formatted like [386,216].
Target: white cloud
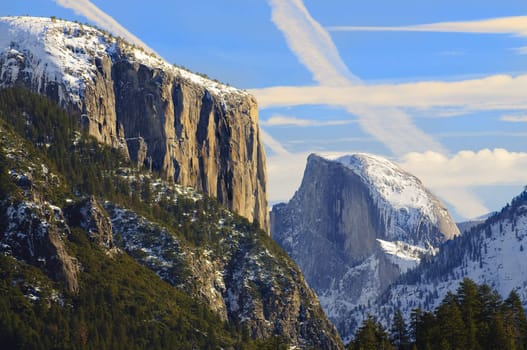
[516,25]
[464,202]
[485,134]
[514,118]
[93,13]
[468,168]
[496,92]
[310,42]
[273,144]
[451,177]
[285,175]
[313,46]
[282,120]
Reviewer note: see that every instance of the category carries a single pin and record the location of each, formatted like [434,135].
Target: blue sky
[435,86]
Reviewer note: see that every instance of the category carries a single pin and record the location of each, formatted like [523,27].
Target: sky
[438,87]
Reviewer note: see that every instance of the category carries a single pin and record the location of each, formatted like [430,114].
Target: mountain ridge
[339,217]
[195,131]
[66,197]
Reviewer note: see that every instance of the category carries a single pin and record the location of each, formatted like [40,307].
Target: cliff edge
[195,131]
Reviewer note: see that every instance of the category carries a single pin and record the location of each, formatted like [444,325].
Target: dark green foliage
[371,336]
[399,332]
[515,317]
[121,304]
[474,318]
[54,134]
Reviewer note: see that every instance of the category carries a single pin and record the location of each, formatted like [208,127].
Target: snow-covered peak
[399,195]
[393,184]
[63,51]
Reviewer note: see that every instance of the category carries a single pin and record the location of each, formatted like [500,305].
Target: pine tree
[371,336]
[399,332]
[450,322]
[515,316]
[469,303]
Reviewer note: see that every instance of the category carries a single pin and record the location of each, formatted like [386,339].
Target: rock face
[354,225]
[91,217]
[210,254]
[240,278]
[31,228]
[492,253]
[197,132]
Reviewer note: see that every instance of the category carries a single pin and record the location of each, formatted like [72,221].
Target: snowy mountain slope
[401,197]
[493,253]
[69,53]
[354,225]
[196,131]
[61,201]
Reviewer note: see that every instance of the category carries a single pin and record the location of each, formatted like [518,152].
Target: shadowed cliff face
[335,224]
[197,132]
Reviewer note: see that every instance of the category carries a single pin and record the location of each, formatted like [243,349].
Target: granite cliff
[354,226]
[76,212]
[195,131]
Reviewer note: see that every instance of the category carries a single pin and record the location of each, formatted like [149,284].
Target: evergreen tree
[399,332]
[450,322]
[469,303]
[371,336]
[515,316]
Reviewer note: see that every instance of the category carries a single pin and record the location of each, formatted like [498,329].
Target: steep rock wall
[199,133]
[350,242]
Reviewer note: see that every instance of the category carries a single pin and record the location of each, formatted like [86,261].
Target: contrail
[93,13]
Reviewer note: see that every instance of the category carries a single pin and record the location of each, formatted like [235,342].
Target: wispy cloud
[93,13]
[310,42]
[282,120]
[497,92]
[285,175]
[313,46]
[485,134]
[514,118]
[451,177]
[378,107]
[274,145]
[516,25]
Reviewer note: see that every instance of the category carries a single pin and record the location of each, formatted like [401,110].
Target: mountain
[196,131]
[354,226]
[95,253]
[493,253]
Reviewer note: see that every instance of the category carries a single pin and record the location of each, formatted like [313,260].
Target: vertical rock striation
[354,225]
[197,132]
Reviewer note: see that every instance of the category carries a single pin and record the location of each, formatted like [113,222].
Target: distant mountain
[354,226]
[195,131]
[493,252]
[95,253]
[469,224]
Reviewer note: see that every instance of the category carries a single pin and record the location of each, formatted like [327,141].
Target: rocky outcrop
[239,277]
[354,226]
[212,255]
[35,232]
[197,132]
[92,218]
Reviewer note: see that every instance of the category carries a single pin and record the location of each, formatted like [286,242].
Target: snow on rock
[493,253]
[354,226]
[63,51]
[400,196]
[404,255]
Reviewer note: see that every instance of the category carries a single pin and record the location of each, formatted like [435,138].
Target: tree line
[475,317]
